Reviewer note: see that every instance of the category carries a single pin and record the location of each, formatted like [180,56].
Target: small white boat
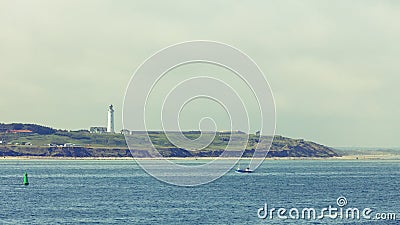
[247,170]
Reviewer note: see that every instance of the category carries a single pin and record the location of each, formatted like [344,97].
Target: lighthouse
[110,124]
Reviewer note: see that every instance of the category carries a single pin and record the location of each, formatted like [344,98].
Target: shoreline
[348,157]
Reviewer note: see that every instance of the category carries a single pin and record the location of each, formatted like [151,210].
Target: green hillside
[39,143]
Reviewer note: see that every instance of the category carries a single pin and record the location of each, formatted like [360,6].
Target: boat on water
[247,170]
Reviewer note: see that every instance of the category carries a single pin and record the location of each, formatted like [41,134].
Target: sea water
[120,192]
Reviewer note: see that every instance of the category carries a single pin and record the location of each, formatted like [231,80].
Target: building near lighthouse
[110,124]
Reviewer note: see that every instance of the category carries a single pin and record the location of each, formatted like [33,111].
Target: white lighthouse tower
[110,124]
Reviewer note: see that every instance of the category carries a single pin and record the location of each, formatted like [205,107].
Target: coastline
[347,157]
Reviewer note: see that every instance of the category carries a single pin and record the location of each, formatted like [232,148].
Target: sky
[333,66]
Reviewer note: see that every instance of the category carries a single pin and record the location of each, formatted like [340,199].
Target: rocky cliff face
[281,147]
[45,141]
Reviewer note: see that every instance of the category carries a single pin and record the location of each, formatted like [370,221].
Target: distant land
[19,139]
[368,151]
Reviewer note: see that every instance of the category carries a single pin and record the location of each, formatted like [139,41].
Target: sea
[121,192]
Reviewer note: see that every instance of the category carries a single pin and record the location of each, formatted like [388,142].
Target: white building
[125,132]
[110,124]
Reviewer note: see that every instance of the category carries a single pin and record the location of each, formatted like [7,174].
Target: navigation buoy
[26,179]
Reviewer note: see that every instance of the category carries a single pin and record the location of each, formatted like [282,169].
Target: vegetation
[38,129]
[62,137]
[50,142]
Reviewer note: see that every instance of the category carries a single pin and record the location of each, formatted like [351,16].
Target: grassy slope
[60,138]
[281,147]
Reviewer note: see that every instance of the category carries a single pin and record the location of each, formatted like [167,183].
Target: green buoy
[26,179]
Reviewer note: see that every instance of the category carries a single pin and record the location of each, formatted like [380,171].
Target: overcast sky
[333,65]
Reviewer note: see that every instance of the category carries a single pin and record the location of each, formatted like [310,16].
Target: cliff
[45,141]
[281,147]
